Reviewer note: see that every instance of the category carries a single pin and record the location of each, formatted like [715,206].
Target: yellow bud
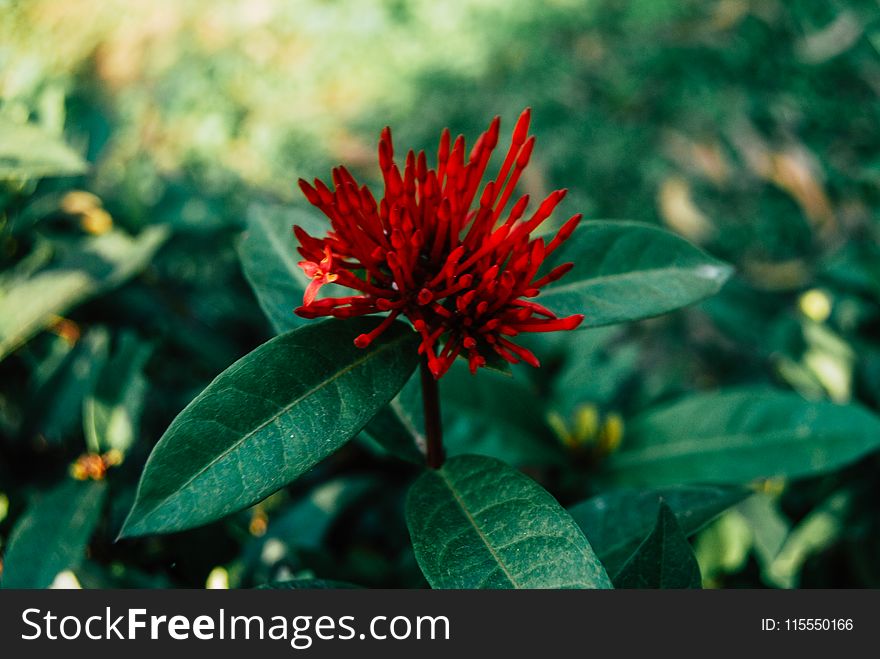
[586,423]
[89,466]
[560,428]
[259,522]
[773,486]
[78,471]
[66,329]
[78,202]
[611,434]
[815,304]
[113,457]
[96,221]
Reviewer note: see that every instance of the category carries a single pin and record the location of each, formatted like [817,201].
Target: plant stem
[433,425]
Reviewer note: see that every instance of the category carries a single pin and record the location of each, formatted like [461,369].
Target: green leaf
[111,414]
[617,522]
[267,419]
[664,560]
[53,533]
[305,524]
[819,530]
[91,267]
[741,435]
[307,584]
[768,524]
[478,523]
[54,409]
[626,271]
[394,431]
[496,415]
[26,151]
[269,260]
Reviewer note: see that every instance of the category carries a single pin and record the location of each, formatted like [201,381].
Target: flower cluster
[458,271]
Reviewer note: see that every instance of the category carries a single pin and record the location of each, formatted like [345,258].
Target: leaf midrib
[479,531]
[283,410]
[716,444]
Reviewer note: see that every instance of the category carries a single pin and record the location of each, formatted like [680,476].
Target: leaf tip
[718,272]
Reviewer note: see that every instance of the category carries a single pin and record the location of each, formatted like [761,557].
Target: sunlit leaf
[96,265]
[26,151]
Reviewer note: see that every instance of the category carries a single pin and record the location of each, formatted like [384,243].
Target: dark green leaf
[306,522]
[269,260]
[495,415]
[394,431]
[478,523]
[55,408]
[742,435]
[26,151]
[617,522]
[626,271]
[664,560]
[53,533]
[267,419]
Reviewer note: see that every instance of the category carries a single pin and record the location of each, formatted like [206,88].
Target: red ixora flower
[458,271]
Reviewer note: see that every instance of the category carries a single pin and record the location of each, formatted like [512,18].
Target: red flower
[459,273]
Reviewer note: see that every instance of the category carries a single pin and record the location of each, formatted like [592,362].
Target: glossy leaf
[267,419]
[90,268]
[664,560]
[269,260]
[741,435]
[52,534]
[478,523]
[617,522]
[27,151]
[626,271]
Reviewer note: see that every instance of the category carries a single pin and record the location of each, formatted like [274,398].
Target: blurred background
[137,138]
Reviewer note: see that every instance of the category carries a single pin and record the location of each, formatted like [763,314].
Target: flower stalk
[433,424]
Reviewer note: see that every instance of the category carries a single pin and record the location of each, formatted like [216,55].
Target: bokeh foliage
[157,132]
